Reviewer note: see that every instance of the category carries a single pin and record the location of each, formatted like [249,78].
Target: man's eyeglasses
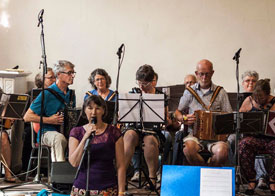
[144,84]
[206,74]
[70,73]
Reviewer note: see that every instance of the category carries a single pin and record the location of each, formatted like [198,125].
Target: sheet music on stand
[35,92]
[13,106]
[270,124]
[252,122]
[153,107]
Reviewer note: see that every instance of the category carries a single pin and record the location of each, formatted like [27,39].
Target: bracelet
[122,193]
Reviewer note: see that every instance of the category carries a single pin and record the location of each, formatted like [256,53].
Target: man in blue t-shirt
[52,117]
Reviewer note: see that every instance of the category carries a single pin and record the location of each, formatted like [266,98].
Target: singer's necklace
[100,129]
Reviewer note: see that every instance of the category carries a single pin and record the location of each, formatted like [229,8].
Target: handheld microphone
[237,54]
[119,51]
[93,120]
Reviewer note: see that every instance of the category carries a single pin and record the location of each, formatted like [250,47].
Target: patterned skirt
[112,191]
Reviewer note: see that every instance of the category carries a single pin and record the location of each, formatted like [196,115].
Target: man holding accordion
[203,98]
[56,98]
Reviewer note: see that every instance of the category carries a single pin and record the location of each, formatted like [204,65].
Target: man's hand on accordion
[56,119]
[188,119]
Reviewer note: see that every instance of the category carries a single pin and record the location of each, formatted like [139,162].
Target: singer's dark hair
[146,73]
[98,100]
[262,85]
[103,73]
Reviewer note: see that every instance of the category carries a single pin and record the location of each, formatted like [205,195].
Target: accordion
[203,126]
[70,120]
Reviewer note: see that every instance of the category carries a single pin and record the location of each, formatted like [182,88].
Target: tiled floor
[34,188]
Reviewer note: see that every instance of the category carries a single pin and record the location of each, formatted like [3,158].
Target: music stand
[142,108]
[252,122]
[34,93]
[270,124]
[233,99]
[148,106]
[12,107]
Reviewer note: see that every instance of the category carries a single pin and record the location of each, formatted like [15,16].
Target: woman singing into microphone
[106,146]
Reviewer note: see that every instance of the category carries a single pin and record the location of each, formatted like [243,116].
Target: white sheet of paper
[215,182]
[156,103]
[126,105]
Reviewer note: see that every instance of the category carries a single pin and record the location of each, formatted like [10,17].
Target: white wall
[171,35]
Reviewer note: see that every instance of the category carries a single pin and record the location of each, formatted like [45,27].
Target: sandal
[11,179]
[272,191]
[251,190]
[154,183]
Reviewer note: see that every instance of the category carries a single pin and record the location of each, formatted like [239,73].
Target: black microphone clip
[237,55]
[40,17]
[119,51]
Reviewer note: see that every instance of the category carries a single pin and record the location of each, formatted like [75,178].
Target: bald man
[190,79]
[204,89]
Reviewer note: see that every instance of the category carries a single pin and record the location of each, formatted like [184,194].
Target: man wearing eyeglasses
[204,88]
[53,105]
[189,80]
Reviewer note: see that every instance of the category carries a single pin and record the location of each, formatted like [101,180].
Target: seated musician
[101,81]
[53,105]
[189,80]
[166,146]
[204,89]
[251,145]
[38,81]
[144,77]
[249,79]
[6,152]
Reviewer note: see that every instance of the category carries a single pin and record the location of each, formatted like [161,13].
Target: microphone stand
[44,63]
[238,119]
[120,51]
[37,179]
[88,152]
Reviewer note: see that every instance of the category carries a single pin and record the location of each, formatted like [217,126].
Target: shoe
[262,184]
[135,177]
